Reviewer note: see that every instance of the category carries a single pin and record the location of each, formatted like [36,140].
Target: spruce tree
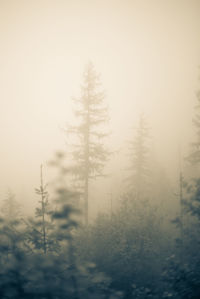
[89,153]
[39,229]
[138,167]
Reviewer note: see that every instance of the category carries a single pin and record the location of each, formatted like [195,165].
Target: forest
[139,248]
[100,149]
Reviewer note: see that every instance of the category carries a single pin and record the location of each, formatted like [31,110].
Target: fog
[100,149]
[147,53]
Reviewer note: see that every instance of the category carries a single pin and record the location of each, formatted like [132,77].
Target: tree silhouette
[40,228]
[138,168]
[89,153]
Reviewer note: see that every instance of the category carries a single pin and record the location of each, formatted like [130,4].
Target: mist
[147,56]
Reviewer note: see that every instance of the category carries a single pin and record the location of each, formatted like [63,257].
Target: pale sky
[147,51]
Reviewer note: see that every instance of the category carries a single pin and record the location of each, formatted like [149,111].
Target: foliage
[182,271]
[27,273]
[128,248]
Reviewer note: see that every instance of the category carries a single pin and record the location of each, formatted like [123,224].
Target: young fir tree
[56,275]
[90,154]
[139,151]
[39,229]
[42,211]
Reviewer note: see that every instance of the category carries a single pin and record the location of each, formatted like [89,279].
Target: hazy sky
[147,51]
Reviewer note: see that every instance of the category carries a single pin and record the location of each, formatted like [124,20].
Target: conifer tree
[55,274]
[11,218]
[11,209]
[43,210]
[84,281]
[138,169]
[89,153]
[186,273]
[40,228]
[194,156]
[192,187]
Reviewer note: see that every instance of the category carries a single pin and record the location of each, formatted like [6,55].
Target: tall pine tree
[89,153]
